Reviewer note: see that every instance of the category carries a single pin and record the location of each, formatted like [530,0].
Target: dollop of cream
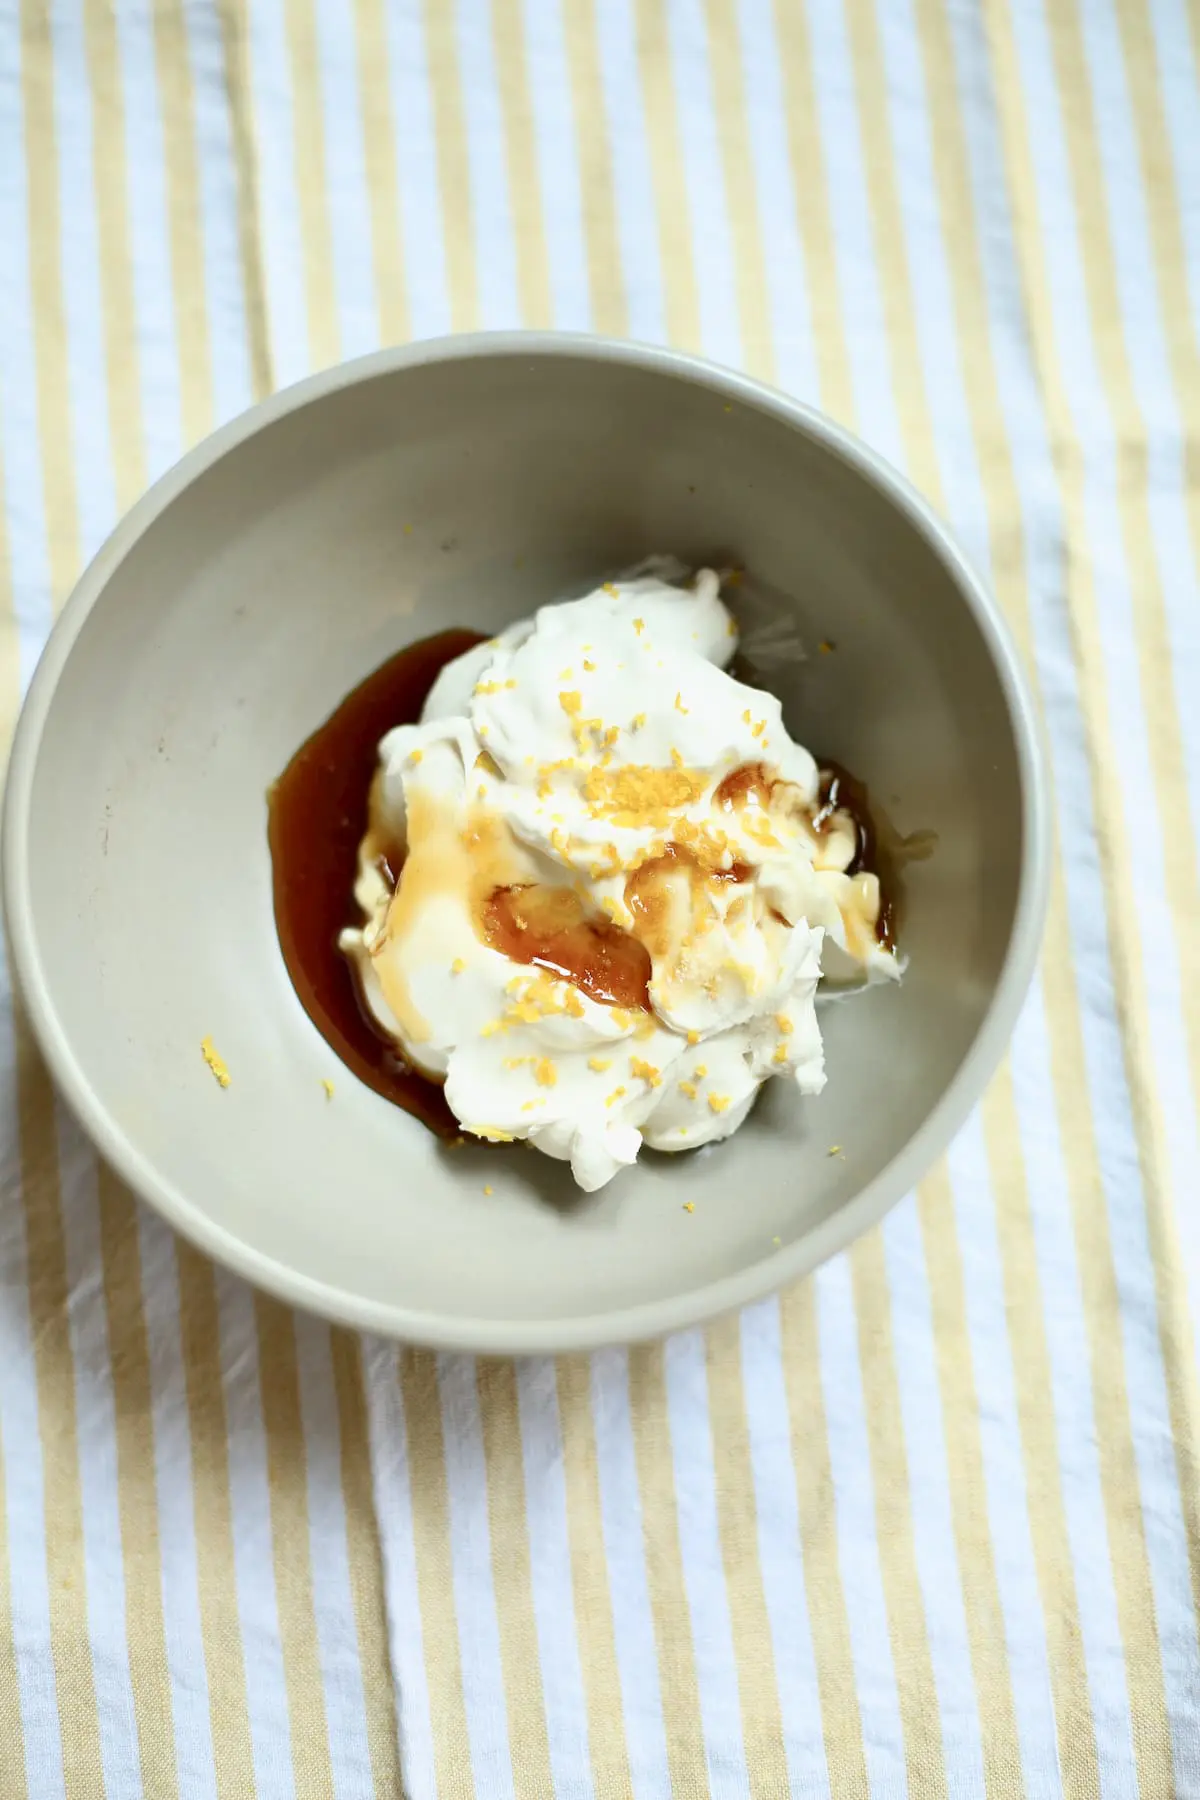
[620,883]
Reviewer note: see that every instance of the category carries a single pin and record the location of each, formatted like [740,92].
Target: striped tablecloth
[930,1523]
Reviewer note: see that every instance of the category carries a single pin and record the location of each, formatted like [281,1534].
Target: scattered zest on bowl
[597,884]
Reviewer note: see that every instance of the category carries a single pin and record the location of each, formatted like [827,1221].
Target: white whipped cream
[567,778]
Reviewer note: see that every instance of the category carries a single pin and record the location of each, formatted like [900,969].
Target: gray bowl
[462,483]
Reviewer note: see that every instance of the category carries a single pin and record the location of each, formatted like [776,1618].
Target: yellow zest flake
[637,721]
[746,716]
[834,1150]
[414,756]
[487,687]
[781,1053]
[483,731]
[328,1086]
[783,1024]
[622,1018]
[542,996]
[545,1073]
[679,706]
[547,770]
[611,734]
[532,1105]
[639,625]
[758,728]
[689,1206]
[683,1131]
[571,700]
[487,1187]
[614,1096]
[645,1071]
[573,1005]
[688,1088]
[610,587]
[701,1071]
[599,1063]
[589,666]
[693,1037]
[718,1102]
[215,1063]
[638,795]
[565,674]
[516,1062]
[492,1133]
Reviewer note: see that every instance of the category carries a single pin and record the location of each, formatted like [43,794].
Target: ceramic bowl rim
[615,1325]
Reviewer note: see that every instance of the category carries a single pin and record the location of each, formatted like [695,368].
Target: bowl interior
[465,492]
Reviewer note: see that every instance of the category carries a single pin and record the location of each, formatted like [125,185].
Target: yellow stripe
[12,1737]
[116,262]
[308,149]
[178,114]
[435,1574]
[379,157]
[589,1580]
[737,1522]
[287,1460]
[664,1571]
[40,1189]
[50,331]
[454,173]
[741,191]
[234,65]
[129,1355]
[216,1576]
[829,1621]
[12,1732]
[46,1256]
[512,1580]
[1125,948]
[907,1631]
[524,187]
[666,168]
[605,286]
[810,185]
[366,1572]
[968,1491]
